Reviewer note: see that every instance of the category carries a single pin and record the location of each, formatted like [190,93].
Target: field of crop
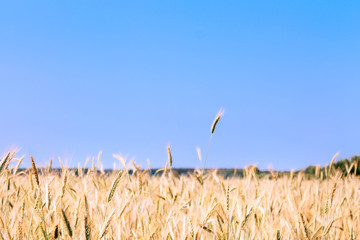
[43,204]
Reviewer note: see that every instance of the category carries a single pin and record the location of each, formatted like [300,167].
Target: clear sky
[131,77]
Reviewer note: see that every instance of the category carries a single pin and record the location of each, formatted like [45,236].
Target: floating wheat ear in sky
[212,130]
[216,120]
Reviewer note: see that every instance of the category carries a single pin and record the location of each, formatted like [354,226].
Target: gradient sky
[131,77]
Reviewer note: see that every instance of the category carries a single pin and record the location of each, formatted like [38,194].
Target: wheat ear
[212,130]
[114,186]
[35,170]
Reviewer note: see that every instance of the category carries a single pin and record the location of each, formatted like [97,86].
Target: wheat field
[40,203]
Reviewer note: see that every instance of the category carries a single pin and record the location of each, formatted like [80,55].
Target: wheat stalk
[67,223]
[86,219]
[106,225]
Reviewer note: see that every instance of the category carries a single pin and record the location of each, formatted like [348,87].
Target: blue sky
[131,77]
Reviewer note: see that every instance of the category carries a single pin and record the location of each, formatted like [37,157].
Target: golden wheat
[193,206]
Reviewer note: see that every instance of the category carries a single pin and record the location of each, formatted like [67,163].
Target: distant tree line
[346,166]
